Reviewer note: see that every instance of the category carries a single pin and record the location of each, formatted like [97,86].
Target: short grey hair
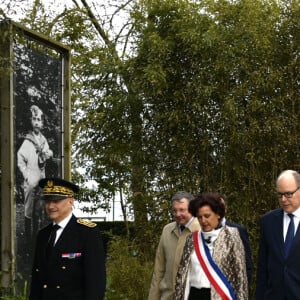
[180,195]
[287,173]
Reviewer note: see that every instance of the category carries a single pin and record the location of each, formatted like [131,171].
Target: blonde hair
[35,110]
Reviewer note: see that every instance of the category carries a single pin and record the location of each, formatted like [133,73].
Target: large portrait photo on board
[38,140]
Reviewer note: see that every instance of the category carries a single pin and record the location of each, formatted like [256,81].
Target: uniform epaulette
[86,223]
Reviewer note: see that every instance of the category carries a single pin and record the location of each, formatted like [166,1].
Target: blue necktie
[182,227]
[289,235]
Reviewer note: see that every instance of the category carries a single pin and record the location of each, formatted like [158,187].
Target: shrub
[129,274]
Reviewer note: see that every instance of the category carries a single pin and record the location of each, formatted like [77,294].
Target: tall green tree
[194,95]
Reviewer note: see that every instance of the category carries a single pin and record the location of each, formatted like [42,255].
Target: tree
[194,95]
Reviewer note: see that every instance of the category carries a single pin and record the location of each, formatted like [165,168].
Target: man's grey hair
[182,194]
[287,173]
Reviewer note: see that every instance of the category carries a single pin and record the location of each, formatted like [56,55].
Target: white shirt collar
[65,221]
[296,213]
[189,222]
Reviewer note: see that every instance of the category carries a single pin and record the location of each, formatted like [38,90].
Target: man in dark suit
[278,274]
[69,256]
[245,239]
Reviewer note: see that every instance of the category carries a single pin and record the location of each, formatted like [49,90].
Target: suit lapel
[279,238]
[175,229]
[45,240]
[296,241]
[278,225]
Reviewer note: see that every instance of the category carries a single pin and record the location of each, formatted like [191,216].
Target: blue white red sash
[212,271]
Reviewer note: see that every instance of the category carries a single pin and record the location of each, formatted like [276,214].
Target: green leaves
[195,95]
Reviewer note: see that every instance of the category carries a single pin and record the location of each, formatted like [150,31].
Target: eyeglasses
[287,194]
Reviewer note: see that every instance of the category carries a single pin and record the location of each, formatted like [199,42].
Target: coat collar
[192,227]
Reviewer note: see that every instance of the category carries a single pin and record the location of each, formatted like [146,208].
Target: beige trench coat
[168,255]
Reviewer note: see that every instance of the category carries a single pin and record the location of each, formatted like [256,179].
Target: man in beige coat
[170,247]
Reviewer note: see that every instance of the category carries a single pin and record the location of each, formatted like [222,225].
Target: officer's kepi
[56,189]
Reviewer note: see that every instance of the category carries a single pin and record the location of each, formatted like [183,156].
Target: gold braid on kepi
[51,189]
[55,189]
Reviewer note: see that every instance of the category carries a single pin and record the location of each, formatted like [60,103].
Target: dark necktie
[182,227]
[51,240]
[289,235]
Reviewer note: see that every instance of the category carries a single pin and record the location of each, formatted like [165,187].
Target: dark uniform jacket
[75,270]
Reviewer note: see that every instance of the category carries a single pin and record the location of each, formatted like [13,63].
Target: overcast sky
[14,9]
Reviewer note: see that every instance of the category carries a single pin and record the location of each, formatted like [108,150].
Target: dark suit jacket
[75,270]
[248,254]
[278,278]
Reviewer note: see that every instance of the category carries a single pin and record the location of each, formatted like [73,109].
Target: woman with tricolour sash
[213,264]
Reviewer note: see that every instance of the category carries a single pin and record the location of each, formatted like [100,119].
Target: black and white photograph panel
[38,140]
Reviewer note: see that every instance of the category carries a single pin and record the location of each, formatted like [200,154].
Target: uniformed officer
[69,255]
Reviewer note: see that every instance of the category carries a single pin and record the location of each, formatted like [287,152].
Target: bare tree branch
[101,32]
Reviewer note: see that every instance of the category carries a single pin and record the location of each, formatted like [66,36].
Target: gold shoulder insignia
[86,223]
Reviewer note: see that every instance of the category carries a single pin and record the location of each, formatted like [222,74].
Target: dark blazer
[75,270]
[278,278]
[245,239]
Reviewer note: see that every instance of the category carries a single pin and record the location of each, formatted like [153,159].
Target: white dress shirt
[62,224]
[197,276]
[286,221]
